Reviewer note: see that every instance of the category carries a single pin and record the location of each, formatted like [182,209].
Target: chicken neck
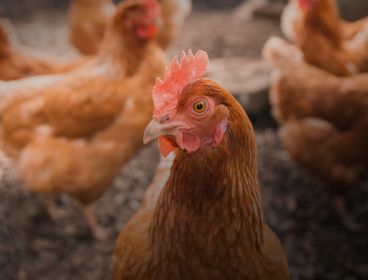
[325,19]
[211,202]
[123,53]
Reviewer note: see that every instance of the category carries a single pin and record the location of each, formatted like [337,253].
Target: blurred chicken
[208,219]
[88,20]
[73,135]
[328,12]
[316,25]
[19,62]
[174,12]
[324,120]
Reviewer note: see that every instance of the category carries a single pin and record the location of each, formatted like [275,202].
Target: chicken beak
[153,130]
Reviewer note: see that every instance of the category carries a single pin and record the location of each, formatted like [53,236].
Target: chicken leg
[98,232]
[346,220]
[52,210]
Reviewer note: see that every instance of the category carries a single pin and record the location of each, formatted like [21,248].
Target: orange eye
[200,107]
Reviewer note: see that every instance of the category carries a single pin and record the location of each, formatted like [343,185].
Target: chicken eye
[200,107]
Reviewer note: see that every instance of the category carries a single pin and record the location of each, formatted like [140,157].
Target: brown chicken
[208,219]
[74,135]
[17,64]
[88,20]
[324,120]
[292,16]
[316,25]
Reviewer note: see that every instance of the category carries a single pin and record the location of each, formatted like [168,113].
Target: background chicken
[88,20]
[316,25]
[17,62]
[293,16]
[74,135]
[208,220]
[87,23]
[324,119]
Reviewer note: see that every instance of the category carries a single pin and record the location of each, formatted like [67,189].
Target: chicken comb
[166,92]
[306,4]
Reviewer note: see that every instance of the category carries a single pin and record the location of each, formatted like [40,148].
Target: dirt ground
[33,247]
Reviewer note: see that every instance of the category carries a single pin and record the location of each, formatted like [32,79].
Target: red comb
[166,93]
[306,4]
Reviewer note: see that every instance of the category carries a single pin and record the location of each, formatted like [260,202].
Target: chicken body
[74,134]
[324,118]
[88,21]
[77,147]
[342,47]
[341,156]
[17,64]
[208,219]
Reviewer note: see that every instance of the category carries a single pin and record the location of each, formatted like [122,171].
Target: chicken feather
[323,118]
[316,25]
[73,135]
[18,62]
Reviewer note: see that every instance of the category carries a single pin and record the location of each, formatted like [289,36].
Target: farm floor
[295,205]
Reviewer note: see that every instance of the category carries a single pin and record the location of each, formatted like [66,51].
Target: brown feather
[323,117]
[22,62]
[320,34]
[73,135]
[208,221]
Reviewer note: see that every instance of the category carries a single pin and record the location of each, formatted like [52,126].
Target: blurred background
[233,33]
